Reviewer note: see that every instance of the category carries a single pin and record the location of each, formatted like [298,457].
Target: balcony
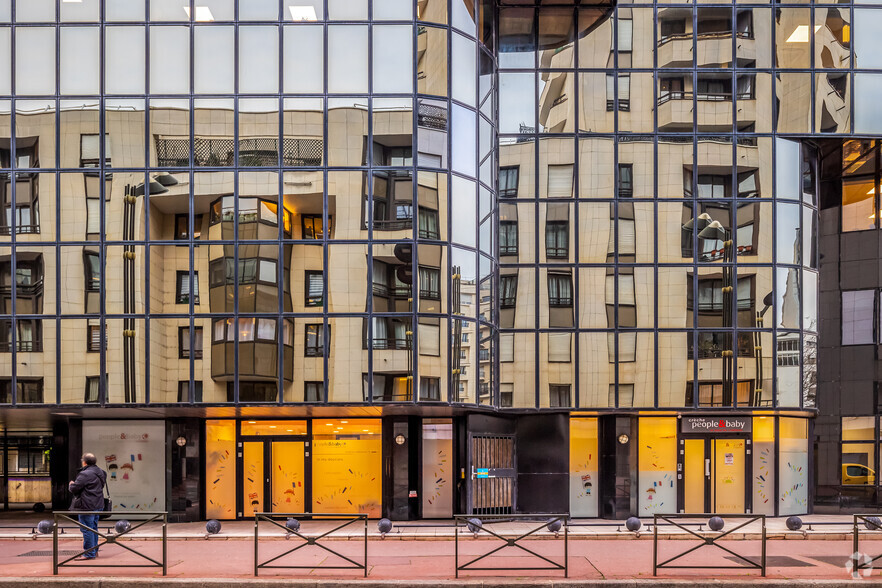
[256,152]
[675,50]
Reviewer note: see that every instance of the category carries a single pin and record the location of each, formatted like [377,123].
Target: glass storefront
[693,464]
[293,466]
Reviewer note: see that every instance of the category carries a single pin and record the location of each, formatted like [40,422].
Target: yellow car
[855,473]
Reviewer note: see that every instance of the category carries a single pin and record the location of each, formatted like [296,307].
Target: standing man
[88,492]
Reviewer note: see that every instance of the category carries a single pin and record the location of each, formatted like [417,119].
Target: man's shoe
[83,557]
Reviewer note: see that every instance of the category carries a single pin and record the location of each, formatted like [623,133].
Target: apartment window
[315,340]
[182,227]
[313,391]
[90,150]
[428,223]
[560,181]
[430,283]
[24,213]
[671,28]
[744,24]
[508,238]
[508,181]
[315,288]
[559,395]
[626,180]
[391,333]
[93,218]
[182,288]
[747,184]
[254,392]
[312,226]
[184,391]
[92,389]
[184,342]
[787,351]
[508,291]
[94,341]
[710,295]
[29,390]
[712,185]
[670,89]
[624,92]
[506,395]
[626,395]
[92,271]
[857,317]
[560,290]
[557,239]
[625,30]
[430,389]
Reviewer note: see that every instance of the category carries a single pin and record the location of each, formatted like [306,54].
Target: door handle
[707,467]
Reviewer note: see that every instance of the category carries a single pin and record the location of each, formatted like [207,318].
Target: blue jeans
[90,539]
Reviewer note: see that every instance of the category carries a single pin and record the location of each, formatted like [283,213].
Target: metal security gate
[492,489]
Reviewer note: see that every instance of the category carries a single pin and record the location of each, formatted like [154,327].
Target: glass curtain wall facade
[603,217]
[240,202]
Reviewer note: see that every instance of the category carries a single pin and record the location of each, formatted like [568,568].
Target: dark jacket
[88,489]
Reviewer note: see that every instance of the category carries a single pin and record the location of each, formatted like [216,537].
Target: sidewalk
[411,555]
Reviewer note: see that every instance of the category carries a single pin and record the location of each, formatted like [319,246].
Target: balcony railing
[259,151]
[27,346]
[391,343]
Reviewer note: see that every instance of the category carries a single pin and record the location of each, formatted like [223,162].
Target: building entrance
[274,464]
[715,475]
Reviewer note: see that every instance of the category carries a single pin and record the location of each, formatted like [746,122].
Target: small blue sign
[482,473]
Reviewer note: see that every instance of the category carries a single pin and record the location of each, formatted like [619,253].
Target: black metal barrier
[708,540]
[111,539]
[270,517]
[861,561]
[475,524]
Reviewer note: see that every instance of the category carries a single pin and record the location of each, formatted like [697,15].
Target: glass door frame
[708,455]
[268,441]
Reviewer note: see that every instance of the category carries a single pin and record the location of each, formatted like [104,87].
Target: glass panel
[288,485]
[793,466]
[584,463]
[252,478]
[437,469]
[656,483]
[346,466]
[220,469]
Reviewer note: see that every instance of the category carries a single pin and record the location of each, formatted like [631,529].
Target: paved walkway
[418,551]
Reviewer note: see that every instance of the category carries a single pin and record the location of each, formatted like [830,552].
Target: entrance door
[273,477]
[729,476]
[715,475]
[493,474]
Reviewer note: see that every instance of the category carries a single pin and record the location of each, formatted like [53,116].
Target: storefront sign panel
[716,424]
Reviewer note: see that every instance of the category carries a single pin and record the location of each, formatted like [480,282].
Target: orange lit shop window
[347,466]
[220,469]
